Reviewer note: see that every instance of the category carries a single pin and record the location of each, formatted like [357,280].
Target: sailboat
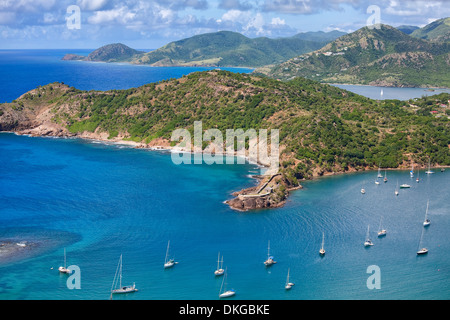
[269,260]
[429,168]
[381,232]
[288,284]
[225,293]
[396,189]
[385,177]
[379,173]
[322,250]
[168,263]
[117,282]
[64,269]
[427,221]
[368,242]
[417,179]
[363,191]
[381,92]
[405,186]
[421,250]
[219,271]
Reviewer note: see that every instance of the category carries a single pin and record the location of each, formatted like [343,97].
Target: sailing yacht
[421,250]
[288,284]
[117,282]
[363,191]
[322,250]
[381,232]
[385,177]
[225,293]
[405,186]
[396,189]
[168,263]
[427,221]
[269,260]
[429,168]
[368,242]
[417,179]
[219,271]
[64,269]
[379,173]
[411,173]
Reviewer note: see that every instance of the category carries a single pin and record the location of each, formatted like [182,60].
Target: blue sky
[149,24]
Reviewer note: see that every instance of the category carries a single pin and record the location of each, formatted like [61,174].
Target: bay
[100,201]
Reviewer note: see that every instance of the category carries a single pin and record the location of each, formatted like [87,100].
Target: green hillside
[322,128]
[438,30]
[384,56]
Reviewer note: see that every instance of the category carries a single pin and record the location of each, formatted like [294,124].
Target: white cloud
[278,21]
[92,5]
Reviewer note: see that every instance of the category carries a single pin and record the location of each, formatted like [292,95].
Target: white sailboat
[385,177]
[168,263]
[64,269]
[322,250]
[288,284]
[269,260]
[417,179]
[368,242]
[117,282]
[411,173]
[381,92]
[427,221]
[429,168]
[225,293]
[405,186]
[363,191]
[421,250]
[396,189]
[219,271]
[381,232]
[379,173]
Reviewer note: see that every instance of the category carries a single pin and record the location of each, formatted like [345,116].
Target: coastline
[244,200]
[236,203]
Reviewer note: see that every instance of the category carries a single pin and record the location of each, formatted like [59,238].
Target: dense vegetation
[322,128]
[222,48]
[384,56]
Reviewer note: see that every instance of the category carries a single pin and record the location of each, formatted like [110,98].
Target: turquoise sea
[99,201]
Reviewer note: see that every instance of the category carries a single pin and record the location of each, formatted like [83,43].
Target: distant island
[323,129]
[218,49]
[379,57]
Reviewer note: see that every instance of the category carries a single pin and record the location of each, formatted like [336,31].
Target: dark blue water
[100,201]
[24,70]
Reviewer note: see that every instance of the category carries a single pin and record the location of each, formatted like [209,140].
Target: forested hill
[223,48]
[385,56]
[322,128]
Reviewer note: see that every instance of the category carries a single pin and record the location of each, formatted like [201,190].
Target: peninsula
[323,129]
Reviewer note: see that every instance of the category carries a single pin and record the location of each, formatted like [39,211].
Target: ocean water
[99,201]
[374,92]
[24,70]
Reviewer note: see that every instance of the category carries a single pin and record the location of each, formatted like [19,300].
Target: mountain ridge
[221,49]
[383,57]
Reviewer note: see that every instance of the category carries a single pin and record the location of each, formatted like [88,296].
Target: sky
[150,24]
